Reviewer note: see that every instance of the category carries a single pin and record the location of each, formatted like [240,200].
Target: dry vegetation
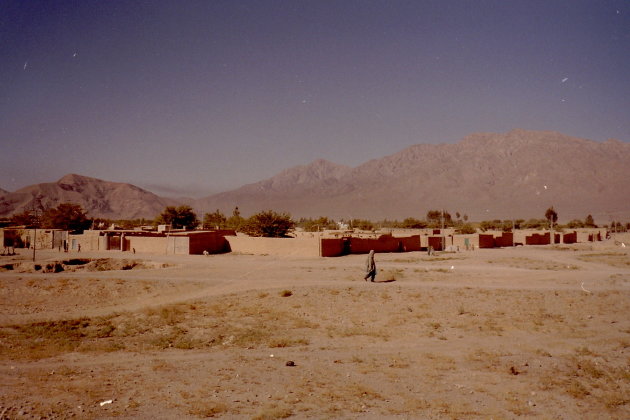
[615,259]
[517,337]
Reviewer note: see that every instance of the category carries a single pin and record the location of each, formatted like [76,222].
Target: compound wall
[541,239]
[486,240]
[466,242]
[506,239]
[334,247]
[212,242]
[569,238]
[350,245]
[303,247]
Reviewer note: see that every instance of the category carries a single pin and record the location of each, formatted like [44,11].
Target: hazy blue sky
[204,96]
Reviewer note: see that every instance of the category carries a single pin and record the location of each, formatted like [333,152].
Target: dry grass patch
[442,257]
[392,274]
[407,260]
[532,264]
[182,326]
[441,362]
[584,376]
[439,270]
[615,259]
[354,331]
[205,408]
[287,342]
[273,411]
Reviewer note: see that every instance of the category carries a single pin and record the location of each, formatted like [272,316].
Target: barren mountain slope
[517,174]
[97,197]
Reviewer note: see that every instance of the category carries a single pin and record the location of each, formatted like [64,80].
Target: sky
[190,98]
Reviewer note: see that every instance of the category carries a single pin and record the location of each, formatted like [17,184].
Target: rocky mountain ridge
[98,198]
[518,174]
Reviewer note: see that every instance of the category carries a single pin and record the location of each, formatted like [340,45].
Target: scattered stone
[290,363]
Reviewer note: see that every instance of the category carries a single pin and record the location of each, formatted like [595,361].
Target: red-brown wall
[331,247]
[505,240]
[541,239]
[436,242]
[386,243]
[569,238]
[213,242]
[410,243]
[486,240]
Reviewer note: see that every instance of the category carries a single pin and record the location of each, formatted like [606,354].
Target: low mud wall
[466,242]
[569,238]
[303,247]
[343,246]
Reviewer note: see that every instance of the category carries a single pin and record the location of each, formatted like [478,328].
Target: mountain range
[518,174]
[112,200]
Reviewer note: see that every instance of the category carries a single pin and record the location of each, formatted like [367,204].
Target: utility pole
[553,238]
[34,241]
[168,233]
[36,200]
[442,232]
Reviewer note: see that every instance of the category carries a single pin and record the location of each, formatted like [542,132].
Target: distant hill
[518,174]
[97,197]
[486,176]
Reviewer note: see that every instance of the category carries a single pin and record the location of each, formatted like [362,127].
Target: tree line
[269,223]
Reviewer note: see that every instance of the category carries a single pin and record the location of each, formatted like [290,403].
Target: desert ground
[531,332]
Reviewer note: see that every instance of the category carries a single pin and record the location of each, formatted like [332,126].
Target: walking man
[370,267]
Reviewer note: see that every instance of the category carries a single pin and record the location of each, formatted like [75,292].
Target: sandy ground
[533,332]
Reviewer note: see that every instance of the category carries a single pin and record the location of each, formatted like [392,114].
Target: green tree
[269,224]
[437,218]
[66,216]
[386,223]
[130,223]
[178,217]
[216,220]
[315,225]
[467,229]
[434,217]
[362,224]
[412,223]
[551,215]
[575,224]
[533,224]
[589,222]
[507,225]
[26,218]
[236,220]
[495,224]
